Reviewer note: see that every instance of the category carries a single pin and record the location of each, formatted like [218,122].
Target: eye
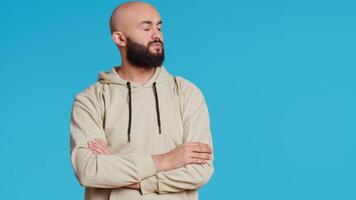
[146,28]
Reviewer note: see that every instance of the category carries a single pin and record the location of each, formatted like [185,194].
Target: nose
[157,35]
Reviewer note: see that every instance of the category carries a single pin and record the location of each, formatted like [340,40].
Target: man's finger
[202,149]
[102,148]
[202,156]
[98,148]
[98,144]
[101,141]
[94,148]
[101,145]
[204,146]
[198,161]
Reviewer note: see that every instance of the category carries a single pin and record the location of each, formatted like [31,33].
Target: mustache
[156,41]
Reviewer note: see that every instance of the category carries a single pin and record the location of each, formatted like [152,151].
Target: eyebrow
[150,22]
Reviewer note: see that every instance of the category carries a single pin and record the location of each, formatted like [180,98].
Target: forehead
[143,15]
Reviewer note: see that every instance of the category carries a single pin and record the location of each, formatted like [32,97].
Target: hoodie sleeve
[101,171]
[196,129]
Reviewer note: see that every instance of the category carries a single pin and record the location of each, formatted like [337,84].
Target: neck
[134,73]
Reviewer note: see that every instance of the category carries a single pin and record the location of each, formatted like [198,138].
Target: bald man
[139,132]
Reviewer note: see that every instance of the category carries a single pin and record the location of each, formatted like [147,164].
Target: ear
[119,38]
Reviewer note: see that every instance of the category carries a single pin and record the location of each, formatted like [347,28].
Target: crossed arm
[187,167]
[187,153]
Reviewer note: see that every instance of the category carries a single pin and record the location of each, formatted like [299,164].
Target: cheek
[141,37]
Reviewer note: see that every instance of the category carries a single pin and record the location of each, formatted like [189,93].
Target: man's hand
[98,147]
[187,153]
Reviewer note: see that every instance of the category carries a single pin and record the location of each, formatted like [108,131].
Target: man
[139,132]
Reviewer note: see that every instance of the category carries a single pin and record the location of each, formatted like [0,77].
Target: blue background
[278,77]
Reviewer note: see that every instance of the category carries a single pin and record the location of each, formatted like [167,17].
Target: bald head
[136,29]
[127,14]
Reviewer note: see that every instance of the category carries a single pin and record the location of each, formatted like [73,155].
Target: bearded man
[139,132]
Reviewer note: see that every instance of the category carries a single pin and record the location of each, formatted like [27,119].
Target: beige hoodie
[137,122]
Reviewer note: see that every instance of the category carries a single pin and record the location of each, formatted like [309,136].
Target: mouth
[156,44]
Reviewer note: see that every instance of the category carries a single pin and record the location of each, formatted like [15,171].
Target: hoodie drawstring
[130,109]
[157,108]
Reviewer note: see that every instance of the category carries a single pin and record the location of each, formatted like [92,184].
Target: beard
[141,56]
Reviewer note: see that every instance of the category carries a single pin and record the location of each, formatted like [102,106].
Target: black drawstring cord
[157,107]
[130,111]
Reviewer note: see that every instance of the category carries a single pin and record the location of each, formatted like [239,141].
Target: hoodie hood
[112,77]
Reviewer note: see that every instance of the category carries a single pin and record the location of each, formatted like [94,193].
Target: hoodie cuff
[145,166]
[149,185]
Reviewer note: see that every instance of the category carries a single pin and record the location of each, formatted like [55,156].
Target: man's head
[136,30]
